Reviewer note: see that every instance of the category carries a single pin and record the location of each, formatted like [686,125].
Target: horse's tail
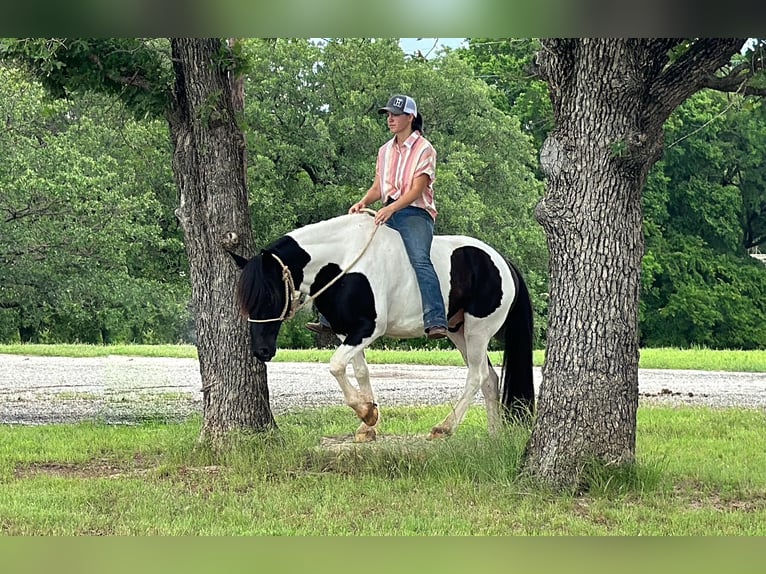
[518,391]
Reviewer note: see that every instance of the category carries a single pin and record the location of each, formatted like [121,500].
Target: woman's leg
[416,228]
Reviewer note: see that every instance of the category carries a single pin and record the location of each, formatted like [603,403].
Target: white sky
[429,46]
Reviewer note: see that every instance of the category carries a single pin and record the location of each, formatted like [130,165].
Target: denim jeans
[416,227]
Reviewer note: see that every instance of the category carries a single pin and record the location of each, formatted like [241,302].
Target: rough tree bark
[209,166]
[611,98]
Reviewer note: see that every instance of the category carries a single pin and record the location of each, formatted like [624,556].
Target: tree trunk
[209,166]
[611,98]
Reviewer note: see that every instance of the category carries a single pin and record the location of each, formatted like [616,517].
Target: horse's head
[261,297]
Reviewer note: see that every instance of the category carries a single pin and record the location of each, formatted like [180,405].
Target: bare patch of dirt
[106,468]
[91,469]
[346,441]
[699,499]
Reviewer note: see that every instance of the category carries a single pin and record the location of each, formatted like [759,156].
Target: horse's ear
[238,259]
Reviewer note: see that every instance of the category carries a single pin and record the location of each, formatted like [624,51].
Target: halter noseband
[292,297]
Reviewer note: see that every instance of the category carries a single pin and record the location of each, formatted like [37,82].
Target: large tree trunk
[209,166]
[611,98]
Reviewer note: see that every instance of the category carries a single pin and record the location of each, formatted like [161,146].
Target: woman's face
[398,123]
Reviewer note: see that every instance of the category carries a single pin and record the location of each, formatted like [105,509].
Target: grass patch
[704,359]
[699,472]
[666,358]
[81,350]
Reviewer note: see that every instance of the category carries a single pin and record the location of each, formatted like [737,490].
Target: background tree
[314,110]
[702,207]
[702,201]
[87,250]
[611,98]
[313,131]
[187,81]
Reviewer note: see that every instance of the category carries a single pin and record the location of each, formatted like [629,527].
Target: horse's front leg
[361,400]
[366,431]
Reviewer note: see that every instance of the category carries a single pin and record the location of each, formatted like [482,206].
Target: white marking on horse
[378,296]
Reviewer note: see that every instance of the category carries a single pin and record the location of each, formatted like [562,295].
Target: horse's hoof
[368,434]
[438,432]
[369,414]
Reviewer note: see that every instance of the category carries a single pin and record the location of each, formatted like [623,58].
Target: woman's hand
[384,214]
[357,207]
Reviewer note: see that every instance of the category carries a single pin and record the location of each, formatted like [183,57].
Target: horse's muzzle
[264,354]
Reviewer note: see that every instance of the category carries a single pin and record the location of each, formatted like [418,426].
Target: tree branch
[690,71]
[45,210]
[734,83]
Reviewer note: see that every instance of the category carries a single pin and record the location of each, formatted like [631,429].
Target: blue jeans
[416,227]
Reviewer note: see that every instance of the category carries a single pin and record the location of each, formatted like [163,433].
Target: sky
[429,46]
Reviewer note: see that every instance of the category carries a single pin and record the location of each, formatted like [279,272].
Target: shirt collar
[410,141]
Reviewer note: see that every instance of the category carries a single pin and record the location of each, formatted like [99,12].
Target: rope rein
[292,296]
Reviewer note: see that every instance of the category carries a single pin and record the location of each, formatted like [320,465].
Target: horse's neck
[340,240]
[335,239]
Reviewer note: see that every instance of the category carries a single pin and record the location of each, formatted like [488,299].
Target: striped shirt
[399,165]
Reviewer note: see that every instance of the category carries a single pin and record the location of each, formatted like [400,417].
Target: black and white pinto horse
[359,277]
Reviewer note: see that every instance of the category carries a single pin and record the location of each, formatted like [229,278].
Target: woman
[404,177]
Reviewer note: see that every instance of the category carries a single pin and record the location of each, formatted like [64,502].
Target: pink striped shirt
[399,165]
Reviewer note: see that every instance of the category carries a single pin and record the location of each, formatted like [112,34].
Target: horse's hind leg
[490,388]
[478,366]
[362,400]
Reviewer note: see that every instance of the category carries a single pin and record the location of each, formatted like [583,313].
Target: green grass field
[699,471]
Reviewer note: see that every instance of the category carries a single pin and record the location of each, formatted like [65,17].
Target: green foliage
[86,239]
[703,206]
[710,187]
[508,66]
[293,333]
[137,70]
[91,249]
[695,297]
[314,130]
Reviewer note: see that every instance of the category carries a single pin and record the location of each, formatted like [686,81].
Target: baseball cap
[400,105]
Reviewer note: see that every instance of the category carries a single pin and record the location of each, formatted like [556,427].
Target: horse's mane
[255,286]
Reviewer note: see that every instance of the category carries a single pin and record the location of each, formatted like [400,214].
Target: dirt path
[115,389]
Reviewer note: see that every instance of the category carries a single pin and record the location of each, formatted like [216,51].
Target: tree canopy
[89,247]
[92,250]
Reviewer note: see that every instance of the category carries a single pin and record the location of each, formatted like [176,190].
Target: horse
[357,274]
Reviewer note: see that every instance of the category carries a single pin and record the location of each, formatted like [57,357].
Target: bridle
[292,296]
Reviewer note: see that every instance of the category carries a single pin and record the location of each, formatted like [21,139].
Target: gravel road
[116,389]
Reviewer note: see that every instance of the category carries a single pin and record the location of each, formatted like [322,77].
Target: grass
[77,350]
[665,358]
[699,472]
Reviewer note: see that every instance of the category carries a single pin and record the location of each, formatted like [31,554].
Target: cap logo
[400,104]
